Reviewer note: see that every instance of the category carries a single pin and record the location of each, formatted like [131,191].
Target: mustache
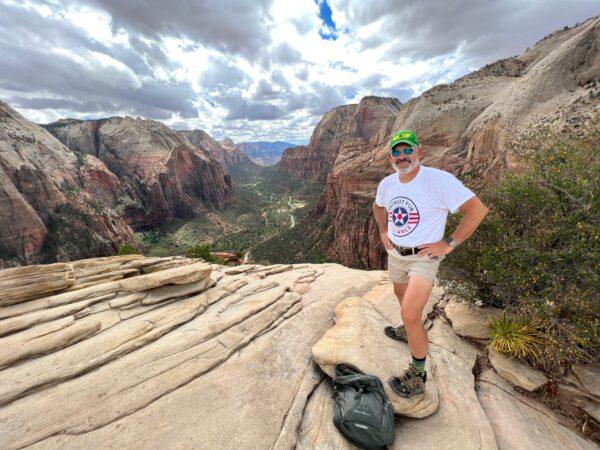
[402,160]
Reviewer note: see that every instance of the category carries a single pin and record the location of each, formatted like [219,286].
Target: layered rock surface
[465,126]
[143,352]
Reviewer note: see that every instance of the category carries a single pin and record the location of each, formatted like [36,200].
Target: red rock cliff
[51,199]
[162,173]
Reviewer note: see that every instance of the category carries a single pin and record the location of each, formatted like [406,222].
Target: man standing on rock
[411,208]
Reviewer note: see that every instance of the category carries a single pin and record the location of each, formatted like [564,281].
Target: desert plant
[128,249]
[516,339]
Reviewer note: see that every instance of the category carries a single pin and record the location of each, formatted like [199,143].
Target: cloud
[241,108]
[222,73]
[284,53]
[261,70]
[236,26]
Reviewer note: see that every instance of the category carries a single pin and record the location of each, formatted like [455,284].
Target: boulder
[588,378]
[469,321]
[516,372]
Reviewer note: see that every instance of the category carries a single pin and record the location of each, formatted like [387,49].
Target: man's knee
[411,317]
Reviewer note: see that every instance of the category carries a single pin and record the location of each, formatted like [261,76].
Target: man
[411,208]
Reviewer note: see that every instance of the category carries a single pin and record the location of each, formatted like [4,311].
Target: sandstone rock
[517,372]
[163,175]
[575,397]
[459,421]
[43,186]
[224,360]
[589,378]
[470,321]
[521,423]
[358,339]
[183,351]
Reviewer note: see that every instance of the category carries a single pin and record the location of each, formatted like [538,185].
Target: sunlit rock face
[466,126]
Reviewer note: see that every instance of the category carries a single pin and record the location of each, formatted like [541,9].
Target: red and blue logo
[403,215]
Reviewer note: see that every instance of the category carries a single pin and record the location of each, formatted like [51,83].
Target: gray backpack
[361,410]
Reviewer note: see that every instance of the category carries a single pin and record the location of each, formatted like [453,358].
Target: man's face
[403,162]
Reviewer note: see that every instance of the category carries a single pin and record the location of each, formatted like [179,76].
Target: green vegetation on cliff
[537,252]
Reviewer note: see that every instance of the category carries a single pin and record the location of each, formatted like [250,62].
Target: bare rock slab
[516,372]
[459,421]
[358,339]
[521,423]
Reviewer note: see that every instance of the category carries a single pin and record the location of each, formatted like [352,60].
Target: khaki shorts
[401,267]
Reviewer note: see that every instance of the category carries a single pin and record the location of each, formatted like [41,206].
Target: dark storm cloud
[233,26]
[34,70]
[320,99]
[486,30]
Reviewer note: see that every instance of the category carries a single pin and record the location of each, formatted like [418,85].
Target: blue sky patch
[327,31]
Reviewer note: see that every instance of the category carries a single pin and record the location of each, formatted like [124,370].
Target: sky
[252,70]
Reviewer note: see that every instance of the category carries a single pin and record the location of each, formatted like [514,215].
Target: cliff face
[465,126]
[163,175]
[49,198]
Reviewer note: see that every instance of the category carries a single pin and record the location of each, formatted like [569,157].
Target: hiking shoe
[410,383]
[399,333]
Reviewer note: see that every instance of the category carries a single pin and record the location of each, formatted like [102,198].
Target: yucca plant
[516,339]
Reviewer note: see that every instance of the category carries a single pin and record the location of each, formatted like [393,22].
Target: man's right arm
[381,218]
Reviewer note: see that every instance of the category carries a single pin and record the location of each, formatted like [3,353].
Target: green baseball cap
[405,136]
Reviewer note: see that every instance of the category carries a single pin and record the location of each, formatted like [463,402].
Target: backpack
[361,410]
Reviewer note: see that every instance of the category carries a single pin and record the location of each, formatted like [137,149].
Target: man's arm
[381,218]
[474,211]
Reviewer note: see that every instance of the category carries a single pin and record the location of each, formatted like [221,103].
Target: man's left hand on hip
[439,248]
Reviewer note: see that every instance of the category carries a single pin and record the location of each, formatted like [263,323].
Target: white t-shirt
[417,210]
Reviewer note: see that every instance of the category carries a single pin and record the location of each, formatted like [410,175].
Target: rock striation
[465,126]
[140,352]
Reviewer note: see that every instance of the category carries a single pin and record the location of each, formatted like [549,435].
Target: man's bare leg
[399,290]
[414,300]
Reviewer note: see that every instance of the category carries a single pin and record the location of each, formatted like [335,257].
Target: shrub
[128,249]
[201,251]
[537,252]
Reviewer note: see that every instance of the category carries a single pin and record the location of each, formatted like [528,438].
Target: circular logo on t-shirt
[403,216]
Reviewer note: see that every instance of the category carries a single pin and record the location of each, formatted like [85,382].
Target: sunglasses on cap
[406,151]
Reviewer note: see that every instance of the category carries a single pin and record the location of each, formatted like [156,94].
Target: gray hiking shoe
[399,333]
[410,383]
